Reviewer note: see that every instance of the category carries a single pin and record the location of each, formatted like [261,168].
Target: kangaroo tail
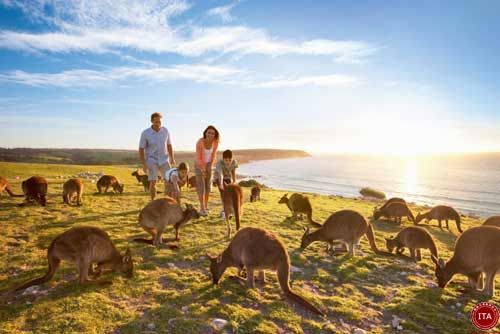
[458,221]
[144,241]
[310,219]
[237,201]
[53,265]
[371,238]
[283,278]
[9,191]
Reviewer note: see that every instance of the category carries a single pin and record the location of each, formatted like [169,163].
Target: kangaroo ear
[211,258]
[128,255]
[387,239]
[441,263]
[435,260]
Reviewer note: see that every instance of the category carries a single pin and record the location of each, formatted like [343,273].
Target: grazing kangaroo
[159,214]
[35,188]
[390,201]
[477,251]
[395,210]
[83,246]
[414,238]
[492,221]
[73,188]
[258,249]
[142,179]
[232,200]
[441,212]
[298,203]
[5,185]
[107,181]
[192,182]
[255,194]
[347,226]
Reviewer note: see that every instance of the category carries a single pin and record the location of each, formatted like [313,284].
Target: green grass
[172,289]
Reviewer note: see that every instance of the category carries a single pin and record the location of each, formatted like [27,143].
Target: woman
[206,149]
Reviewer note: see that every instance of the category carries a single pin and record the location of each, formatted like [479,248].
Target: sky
[326,76]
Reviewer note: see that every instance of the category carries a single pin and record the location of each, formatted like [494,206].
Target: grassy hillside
[171,291]
[124,157]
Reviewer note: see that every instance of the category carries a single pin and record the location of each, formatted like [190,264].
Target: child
[225,171]
[174,179]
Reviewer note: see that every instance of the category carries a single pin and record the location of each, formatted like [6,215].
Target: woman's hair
[211,127]
[183,166]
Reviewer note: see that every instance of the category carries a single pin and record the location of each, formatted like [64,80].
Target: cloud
[333,80]
[111,26]
[200,73]
[92,78]
[223,12]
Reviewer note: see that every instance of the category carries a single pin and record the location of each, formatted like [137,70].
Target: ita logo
[484,316]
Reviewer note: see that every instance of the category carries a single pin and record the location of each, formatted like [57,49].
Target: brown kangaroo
[232,200]
[492,221]
[5,185]
[258,249]
[142,179]
[35,188]
[347,226]
[395,210]
[477,251]
[107,181]
[298,203]
[83,246]
[441,212]
[159,214]
[255,194]
[390,201]
[414,238]
[192,182]
[73,188]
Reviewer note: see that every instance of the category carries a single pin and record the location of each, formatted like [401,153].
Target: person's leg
[200,189]
[152,176]
[163,173]
[208,184]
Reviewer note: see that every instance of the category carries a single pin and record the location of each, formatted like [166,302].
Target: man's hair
[183,166]
[227,154]
[155,114]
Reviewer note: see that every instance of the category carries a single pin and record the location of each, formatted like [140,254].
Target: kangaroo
[255,194]
[5,185]
[390,201]
[441,212]
[492,221]
[192,182]
[142,179]
[257,249]
[107,181]
[232,199]
[35,189]
[71,189]
[477,251]
[160,213]
[83,246]
[395,210]
[414,238]
[298,203]
[347,226]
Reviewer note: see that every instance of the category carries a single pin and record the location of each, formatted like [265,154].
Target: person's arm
[175,183]
[170,151]
[233,175]
[143,160]
[199,155]
[218,169]
[215,145]
[142,145]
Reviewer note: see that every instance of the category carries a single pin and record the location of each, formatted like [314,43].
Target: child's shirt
[225,171]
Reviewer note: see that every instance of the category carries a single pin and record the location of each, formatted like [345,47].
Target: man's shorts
[154,169]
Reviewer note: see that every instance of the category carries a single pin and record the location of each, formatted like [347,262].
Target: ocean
[470,183]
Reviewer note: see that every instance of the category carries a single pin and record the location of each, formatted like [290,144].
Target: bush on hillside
[370,192]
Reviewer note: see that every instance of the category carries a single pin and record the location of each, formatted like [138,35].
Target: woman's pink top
[201,161]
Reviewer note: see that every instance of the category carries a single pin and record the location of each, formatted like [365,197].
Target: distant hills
[126,157]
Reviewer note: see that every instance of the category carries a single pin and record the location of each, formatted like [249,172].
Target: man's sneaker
[203,213]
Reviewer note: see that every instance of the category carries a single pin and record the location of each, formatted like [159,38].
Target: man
[155,152]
